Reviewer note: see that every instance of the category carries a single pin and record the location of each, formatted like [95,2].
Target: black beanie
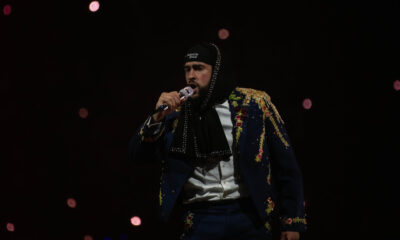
[202,52]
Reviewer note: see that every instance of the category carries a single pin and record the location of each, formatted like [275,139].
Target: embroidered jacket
[266,160]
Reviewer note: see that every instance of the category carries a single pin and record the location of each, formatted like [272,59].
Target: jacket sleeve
[286,173]
[146,144]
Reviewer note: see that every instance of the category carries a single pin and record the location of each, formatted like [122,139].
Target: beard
[196,101]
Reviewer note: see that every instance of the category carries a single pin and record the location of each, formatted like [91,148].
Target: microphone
[186,92]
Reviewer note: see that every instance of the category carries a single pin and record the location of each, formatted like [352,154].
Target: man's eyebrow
[197,65]
[194,66]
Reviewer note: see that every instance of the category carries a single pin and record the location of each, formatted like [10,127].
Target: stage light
[223,33]
[94,6]
[7,9]
[136,221]
[83,113]
[71,202]
[396,85]
[307,103]
[10,227]
[87,237]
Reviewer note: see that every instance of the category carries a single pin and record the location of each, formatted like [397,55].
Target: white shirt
[216,181]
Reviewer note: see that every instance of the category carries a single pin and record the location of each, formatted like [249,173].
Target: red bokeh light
[10,227]
[71,202]
[396,85]
[136,221]
[7,9]
[307,103]
[87,237]
[83,113]
[94,6]
[223,33]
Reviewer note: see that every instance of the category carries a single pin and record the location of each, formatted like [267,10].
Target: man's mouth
[194,86]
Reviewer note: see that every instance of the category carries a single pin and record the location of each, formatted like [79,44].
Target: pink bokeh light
[10,227]
[94,6]
[396,85]
[7,9]
[83,113]
[223,33]
[71,203]
[136,221]
[307,103]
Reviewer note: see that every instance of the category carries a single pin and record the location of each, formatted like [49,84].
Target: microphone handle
[164,107]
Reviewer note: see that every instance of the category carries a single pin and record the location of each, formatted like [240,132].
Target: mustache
[192,84]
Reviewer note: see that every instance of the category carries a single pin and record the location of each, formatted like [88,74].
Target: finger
[176,98]
[169,102]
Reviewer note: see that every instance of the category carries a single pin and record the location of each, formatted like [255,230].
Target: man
[225,156]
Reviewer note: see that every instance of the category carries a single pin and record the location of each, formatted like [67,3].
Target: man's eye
[197,68]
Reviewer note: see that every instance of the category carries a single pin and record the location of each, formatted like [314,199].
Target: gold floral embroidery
[268,226]
[277,131]
[299,220]
[189,221]
[290,221]
[174,125]
[270,206]
[239,123]
[263,100]
[260,150]
[269,174]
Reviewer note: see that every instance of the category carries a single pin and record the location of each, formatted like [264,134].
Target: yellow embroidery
[189,221]
[268,226]
[263,100]
[270,207]
[161,195]
[290,221]
[239,123]
[280,135]
[174,125]
[299,220]
[258,97]
[260,150]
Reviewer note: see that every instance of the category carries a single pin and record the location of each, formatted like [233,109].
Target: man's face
[198,76]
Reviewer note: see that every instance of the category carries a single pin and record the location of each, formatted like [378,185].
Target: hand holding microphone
[169,101]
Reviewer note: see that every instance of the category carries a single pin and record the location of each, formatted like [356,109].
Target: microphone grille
[187,91]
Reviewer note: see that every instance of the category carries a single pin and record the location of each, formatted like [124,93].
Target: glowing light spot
[136,221]
[307,103]
[396,85]
[7,9]
[94,6]
[10,227]
[87,237]
[223,33]
[83,113]
[71,202]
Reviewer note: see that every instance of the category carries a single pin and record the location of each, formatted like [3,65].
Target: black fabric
[199,135]
[201,53]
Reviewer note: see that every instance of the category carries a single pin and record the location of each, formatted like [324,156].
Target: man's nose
[191,74]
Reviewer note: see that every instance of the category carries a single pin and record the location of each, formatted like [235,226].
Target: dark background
[58,57]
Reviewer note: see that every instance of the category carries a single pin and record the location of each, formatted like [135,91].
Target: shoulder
[249,94]
[253,97]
